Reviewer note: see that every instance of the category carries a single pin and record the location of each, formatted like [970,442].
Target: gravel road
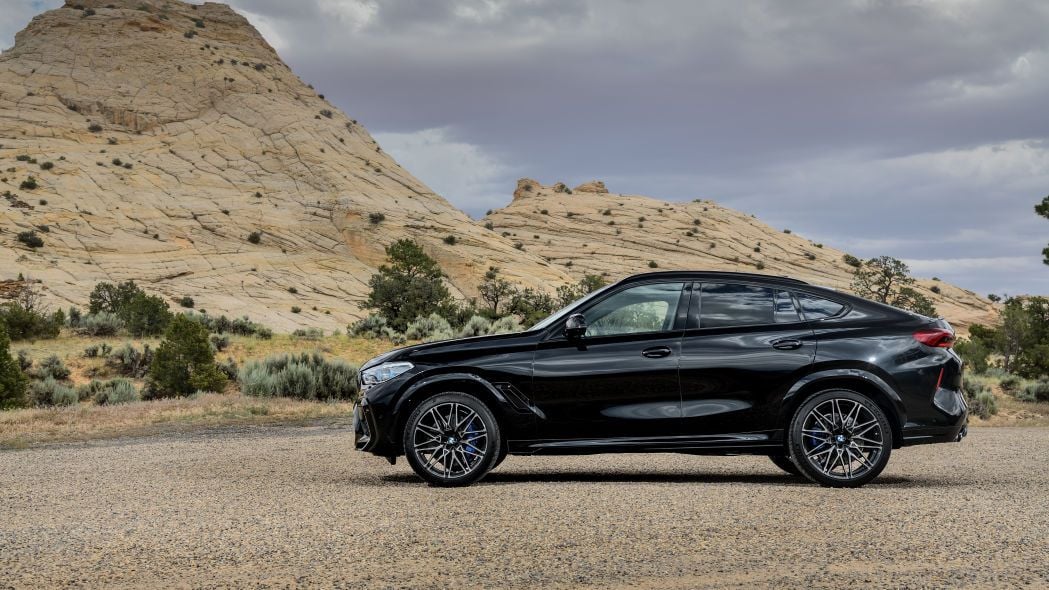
[294,506]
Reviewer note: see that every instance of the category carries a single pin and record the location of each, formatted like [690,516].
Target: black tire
[784,463]
[836,425]
[502,456]
[466,447]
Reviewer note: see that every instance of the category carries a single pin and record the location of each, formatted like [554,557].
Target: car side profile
[824,383]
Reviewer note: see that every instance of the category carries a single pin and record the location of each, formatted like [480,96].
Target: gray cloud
[915,129]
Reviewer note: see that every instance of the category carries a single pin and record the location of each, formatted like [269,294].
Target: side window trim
[554,331]
[846,307]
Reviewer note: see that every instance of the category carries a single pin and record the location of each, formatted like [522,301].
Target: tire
[452,439]
[836,426]
[784,463]
[502,456]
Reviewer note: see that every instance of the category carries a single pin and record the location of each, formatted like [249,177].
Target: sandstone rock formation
[616,235]
[161,135]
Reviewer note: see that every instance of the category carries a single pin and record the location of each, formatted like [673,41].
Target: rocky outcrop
[594,186]
[161,136]
[616,235]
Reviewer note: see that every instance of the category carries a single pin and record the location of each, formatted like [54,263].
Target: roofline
[695,274]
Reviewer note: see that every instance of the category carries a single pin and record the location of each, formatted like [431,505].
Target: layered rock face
[160,136]
[590,231]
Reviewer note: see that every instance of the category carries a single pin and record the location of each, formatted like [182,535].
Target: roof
[720,274]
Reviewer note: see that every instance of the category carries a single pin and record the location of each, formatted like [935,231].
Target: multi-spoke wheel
[452,439]
[840,439]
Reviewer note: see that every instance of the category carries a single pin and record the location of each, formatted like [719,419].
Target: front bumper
[362,427]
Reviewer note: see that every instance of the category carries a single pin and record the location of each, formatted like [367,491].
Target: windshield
[550,319]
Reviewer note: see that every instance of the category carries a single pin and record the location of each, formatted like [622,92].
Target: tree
[12,380]
[495,290]
[1043,210]
[888,280]
[142,314]
[588,284]
[184,362]
[112,298]
[411,286]
[28,317]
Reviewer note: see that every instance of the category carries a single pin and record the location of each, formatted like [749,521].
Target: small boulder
[594,186]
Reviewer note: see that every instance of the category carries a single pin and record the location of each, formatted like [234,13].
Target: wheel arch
[427,387]
[858,380]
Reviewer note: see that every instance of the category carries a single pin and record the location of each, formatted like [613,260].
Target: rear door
[743,346]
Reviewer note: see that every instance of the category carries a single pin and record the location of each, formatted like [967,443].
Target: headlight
[381,373]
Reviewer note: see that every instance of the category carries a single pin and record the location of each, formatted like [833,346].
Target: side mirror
[575,326]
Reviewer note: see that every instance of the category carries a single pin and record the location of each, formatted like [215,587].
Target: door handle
[656,352]
[787,344]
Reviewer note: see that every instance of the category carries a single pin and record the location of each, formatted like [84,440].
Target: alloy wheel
[451,440]
[842,439]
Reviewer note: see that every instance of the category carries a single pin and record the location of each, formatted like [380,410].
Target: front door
[620,380]
[743,346]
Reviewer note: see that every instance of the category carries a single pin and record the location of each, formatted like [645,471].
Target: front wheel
[452,439]
[840,439]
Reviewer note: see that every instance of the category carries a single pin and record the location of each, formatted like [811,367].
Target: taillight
[935,337]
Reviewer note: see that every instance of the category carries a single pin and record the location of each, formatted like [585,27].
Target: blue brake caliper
[470,431]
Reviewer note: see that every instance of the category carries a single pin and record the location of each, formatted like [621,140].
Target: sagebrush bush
[1010,383]
[1035,392]
[242,326]
[116,391]
[978,395]
[30,239]
[219,342]
[129,361]
[304,376]
[308,333]
[475,326]
[24,361]
[102,323]
[505,325]
[50,392]
[51,368]
[431,327]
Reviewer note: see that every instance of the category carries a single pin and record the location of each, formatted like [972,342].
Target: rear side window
[725,305]
[817,308]
[785,310]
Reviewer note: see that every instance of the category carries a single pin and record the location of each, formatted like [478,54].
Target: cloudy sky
[916,129]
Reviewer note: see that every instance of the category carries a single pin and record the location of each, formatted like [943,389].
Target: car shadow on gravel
[517,477]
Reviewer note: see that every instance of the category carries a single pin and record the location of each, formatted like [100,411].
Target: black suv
[824,383]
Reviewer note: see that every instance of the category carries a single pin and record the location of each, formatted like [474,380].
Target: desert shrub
[29,184]
[376,218]
[935,289]
[255,237]
[303,376]
[187,302]
[47,165]
[73,317]
[1034,392]
[505,325]
[308,333]
[1010,383]
[475,326]
[28,320]
[89,390]
[116,391]
[24,362]
[30,239]
[431,327]
[326,113]
[50,392]
[184,362]
[102,323]
[852,260]
[450,240]
[94,128]
[653,264]
[220,342]
[296,309]
[978,395]
[51,368]
[12,380]
[489,225]
[371,326]
[129,361]
[242,326]
[229,369]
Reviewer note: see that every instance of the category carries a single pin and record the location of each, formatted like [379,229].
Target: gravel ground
[287,506]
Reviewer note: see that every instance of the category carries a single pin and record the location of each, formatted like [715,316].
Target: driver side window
[644,308]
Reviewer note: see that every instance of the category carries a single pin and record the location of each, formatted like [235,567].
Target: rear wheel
[452,439]
[784,463]
[840,438]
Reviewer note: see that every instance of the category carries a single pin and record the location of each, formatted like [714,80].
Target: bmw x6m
[825,384]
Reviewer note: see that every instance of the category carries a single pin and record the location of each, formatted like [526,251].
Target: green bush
[1035,392]
[12,380]
[375,326]
[255,237]
[376,218]
[30,323]
[505,325]
[475,326]
[303,376]
[102,323]
[184,362]
[220,342]
[1010,383]
[429,328]
[52,368]
[117,391]
[978,395]
[30,239]
[187,302]
[24,361]
[129,361]
[308,333]
[50,392]
[29,184]
[141,314]
[974,353]
[241,326]
[450,240]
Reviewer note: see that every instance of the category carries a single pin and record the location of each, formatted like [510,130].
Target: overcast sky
[916,129]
